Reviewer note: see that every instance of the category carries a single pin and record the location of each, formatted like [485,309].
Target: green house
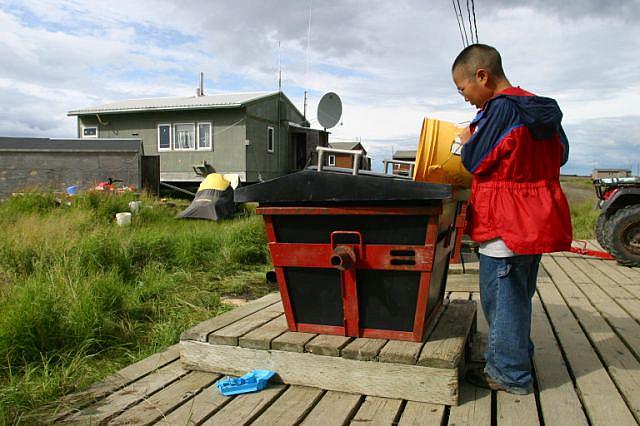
[255,135]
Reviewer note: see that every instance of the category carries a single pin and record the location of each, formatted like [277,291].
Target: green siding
[228,154]
[231,127]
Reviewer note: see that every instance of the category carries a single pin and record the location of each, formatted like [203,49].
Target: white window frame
[210,147]
[195,136]
[273,139]
[331,160]
[170,137]
[88,127]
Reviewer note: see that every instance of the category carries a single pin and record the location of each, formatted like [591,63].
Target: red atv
[618,226]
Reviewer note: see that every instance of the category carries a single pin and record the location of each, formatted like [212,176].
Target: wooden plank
[201,331]
[291,407]
[422,413]
[425,384]
[261,337]
[401,352]
[630,286]
[463,282]
[599,396]
[559,402]
[445,347]
[364,349]
[292,341]
[474,407]
[93,393]
[479,342]
[245,408]
[623,367]
[622,322]
[327,344]
[335,408]
[469,268]
[131,394]
[516,410]
[197,409]
[230,334]
[377,411]
[459,295]
[154,408]
[621,295]
[614,271]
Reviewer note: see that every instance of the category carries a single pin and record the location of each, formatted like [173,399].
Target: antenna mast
[306,76]
[279,69]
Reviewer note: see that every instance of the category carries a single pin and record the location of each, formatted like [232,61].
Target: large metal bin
[357,255]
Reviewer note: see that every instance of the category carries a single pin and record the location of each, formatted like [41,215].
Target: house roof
[223,100]
[347,145]
[404,155]
[69,145]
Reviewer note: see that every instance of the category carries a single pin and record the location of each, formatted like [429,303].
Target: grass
[583,219]
[81,297]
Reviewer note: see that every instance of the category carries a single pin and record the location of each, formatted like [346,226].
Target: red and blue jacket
[515,153]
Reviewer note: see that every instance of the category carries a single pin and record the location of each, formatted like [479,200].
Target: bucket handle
[356,233]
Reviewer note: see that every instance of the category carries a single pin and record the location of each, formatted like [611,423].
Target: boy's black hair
[477,56]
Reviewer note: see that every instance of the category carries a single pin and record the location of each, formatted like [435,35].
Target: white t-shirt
[495,248]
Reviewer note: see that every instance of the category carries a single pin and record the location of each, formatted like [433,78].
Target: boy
[514,148]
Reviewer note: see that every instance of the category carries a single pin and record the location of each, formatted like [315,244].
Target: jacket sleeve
[565,144]
[482,152]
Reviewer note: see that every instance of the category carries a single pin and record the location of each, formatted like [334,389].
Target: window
[204,136]
[90,132]
[332,160]
[270,141]
[164,137]
[184,137]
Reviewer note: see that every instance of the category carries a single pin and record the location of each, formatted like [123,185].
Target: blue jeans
[506,288]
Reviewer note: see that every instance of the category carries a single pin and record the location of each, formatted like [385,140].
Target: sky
[389,61]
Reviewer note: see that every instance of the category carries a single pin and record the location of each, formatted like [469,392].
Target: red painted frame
[369,256]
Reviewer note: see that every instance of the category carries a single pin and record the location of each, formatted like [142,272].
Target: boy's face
[473,88]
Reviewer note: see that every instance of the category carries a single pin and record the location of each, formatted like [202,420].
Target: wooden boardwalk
[586,327]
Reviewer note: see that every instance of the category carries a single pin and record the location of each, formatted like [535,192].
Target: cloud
[389,61]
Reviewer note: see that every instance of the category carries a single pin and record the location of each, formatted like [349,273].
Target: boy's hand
[465,135]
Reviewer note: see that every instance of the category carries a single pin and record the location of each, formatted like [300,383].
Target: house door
[300,150]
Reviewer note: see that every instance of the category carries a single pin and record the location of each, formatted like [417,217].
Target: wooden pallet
[258,338]
[586,326]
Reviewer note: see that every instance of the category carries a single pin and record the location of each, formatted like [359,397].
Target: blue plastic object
[253,381]
[72,190]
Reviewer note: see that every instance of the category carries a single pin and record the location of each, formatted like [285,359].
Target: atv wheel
[622,235]
[601,221]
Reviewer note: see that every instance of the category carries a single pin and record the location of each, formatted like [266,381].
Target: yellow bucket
[436,157]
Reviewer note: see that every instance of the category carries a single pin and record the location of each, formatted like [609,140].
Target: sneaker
[479,378]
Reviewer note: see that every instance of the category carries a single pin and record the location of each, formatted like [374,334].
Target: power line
[464,29]
[473,7]
[455,12]
[469,17]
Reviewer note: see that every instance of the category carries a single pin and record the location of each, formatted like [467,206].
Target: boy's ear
[482,76]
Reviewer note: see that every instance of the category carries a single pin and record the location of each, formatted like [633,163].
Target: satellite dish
[329,110]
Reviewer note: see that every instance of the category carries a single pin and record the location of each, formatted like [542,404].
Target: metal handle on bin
[344,257]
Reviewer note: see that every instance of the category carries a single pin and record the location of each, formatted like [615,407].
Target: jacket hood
[541,115]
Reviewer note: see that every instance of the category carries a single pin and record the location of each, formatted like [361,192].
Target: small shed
[610,173]
[43,163]
[346,160]
[403,155]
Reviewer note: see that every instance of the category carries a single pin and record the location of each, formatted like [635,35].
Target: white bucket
[123,219]
[134,206]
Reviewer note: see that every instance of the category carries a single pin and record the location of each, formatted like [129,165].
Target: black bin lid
[309,186]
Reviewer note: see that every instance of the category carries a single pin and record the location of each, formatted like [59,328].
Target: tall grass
[80,296]
[583,219]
